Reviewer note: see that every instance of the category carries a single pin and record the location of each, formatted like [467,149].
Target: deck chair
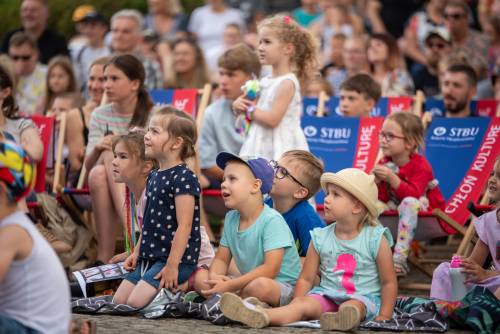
[485,108]
[462,153]
[183,99]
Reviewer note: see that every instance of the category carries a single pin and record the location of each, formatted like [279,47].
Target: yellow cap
[81,11]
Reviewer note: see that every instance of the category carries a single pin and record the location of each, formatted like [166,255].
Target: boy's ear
[300,193]
[370,103]
[256,186]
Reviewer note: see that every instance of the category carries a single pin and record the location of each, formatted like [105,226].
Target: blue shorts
[147,270]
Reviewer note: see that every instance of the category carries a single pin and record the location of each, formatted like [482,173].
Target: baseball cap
[16,170]
[260,168]
[441,32]
[87,13]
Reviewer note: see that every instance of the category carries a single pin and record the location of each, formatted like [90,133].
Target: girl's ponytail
[142,109]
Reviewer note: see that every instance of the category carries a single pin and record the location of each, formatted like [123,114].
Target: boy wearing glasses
[31,75]
[296,179]
[256,236]
[358,95]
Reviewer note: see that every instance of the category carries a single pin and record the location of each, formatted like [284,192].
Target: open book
[91,276]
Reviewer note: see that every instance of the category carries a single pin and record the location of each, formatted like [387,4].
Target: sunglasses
[281,172]
[388,136]
[20,57]
[455,17]
[438,46]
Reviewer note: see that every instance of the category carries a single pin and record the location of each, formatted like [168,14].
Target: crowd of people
[146,166]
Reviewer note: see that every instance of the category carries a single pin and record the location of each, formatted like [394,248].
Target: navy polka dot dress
[160,220]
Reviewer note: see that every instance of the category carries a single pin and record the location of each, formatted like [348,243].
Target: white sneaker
[235,308]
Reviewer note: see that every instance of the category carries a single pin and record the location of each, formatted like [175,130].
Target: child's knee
[97,176]
[258,287]
[409,203]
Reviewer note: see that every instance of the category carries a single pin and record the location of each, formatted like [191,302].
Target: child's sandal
[347,318]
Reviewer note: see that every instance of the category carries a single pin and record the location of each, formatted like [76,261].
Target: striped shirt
[104,119]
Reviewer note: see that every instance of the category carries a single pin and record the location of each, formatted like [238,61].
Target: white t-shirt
[209,26]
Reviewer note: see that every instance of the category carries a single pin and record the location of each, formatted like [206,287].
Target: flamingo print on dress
[347,264]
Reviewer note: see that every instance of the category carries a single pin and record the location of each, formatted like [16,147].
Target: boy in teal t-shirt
[256,236]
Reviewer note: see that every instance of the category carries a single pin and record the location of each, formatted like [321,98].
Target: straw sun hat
[357,183]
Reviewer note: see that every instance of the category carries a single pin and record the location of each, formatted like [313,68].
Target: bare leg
[302,308]
[123,292]
[199,281]
[141,295]
[265,289]
[104,213]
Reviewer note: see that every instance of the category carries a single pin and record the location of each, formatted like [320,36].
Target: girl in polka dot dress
[169,245]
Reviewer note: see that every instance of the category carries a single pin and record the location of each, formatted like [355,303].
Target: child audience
[275,127]
[358,95]
[34,290]
[296,179]
[169,245]
[362,284]
[405,179]
[488,230]
[255,236]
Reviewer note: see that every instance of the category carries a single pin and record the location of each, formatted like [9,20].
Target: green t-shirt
[269,232]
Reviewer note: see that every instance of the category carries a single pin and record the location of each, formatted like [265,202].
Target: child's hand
[382,172]
[218,277]
[119,258]
[474,272]
[168,277]
[381,318]
[105,143]
[218,286]
[241,104]
[130,262]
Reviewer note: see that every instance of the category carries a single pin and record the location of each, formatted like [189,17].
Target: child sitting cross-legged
[169,245]
[296,179]
[256,236]
[353,257]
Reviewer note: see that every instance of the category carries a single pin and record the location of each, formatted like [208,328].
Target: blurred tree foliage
[61,12]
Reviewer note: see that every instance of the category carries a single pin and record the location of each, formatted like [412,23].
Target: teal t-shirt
[303,18]
[349,266]
[269,232]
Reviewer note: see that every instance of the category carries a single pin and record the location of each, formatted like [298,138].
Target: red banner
[45,127]
[399,104]
[185,99]
[487,108]
[367,144]
[473,182]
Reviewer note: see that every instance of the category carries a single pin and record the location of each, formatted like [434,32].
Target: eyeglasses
[456,16]
[388,137]
[281,172]
[20,57]
[438,46]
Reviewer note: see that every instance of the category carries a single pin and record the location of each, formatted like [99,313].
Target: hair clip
[287,19]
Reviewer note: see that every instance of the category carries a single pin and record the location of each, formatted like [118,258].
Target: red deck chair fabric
[45,127]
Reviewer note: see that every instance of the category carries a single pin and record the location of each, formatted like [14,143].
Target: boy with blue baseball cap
[255,235]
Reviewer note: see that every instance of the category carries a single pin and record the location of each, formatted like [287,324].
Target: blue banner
[451,145]
[162,96]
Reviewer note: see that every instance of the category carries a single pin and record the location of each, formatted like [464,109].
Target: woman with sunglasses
[417,30]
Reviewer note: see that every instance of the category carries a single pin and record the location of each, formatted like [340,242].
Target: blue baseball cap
[260,168]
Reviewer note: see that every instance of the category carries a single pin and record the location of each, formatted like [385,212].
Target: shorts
[327,305]
[286,292]
[146,271]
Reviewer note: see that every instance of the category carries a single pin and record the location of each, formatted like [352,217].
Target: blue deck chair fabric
[385,106]
[343,142]
[486,108]
[462,152]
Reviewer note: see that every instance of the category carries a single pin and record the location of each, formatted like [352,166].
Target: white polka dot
[196,228]
[163,191]
[154,189]
[196,219]
[189,257]
[196,207]
[196,249]
[159,213]
[177,190]
[145,232]
[163,250]
[170,195]
[172,207]
[173,233]
[164,178]
[156,234]
[149,194]
[154,197]
[160,202]
[169,226]
[154,182]
[169,218]
[143,253]
[175,177]
[187,246]
[197,239]
[183,179]
[197,189]
[187,186]
[152,245]
[183,172]
[152,210]
[162,237]
[172,172]
[158,225]
[152,220]
[143,241]
[150,255]
[168,182]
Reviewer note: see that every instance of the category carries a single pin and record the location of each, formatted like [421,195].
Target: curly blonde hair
[305,55]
